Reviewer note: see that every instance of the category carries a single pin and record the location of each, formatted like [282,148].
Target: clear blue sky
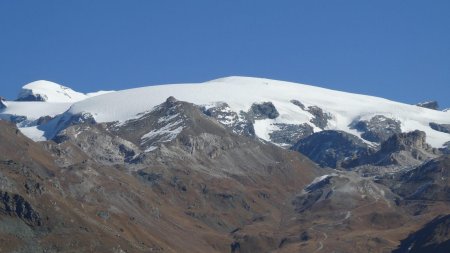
[395,49]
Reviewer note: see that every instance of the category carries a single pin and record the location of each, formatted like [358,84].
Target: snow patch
[33,133]
[164,134]
[320,179]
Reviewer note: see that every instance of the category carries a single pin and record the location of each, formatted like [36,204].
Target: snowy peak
[47,91]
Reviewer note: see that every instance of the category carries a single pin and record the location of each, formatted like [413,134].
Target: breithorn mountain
[276,111]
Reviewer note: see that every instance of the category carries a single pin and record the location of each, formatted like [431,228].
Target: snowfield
[240,93]
[33,110]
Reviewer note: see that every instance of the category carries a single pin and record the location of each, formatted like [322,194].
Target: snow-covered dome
[49,92]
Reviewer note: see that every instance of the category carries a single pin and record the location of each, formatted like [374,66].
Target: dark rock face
[400,149]
[3,103]
[33,97]
[429,181]
[430,105]
[378,129]
[289,134]
[328,148]
[445,128]
[433,237]
[264,110]
[14,204]
[406,141]
[320,117]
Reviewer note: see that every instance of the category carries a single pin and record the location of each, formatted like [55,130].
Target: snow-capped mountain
[276,111]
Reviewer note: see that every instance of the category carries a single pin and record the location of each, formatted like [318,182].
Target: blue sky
[394,49]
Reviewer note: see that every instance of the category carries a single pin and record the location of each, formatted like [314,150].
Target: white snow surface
[33,133]
[241,92]
[33,110]
[51,92]
[98,93]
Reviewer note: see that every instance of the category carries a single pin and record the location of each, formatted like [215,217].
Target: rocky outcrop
[16,205]
[238,123]
[298,103]
[433,237]
[289,134]
[445,128]
[328,148]
[433,105]
[401,149]
[265,110]
[378,129]
[97,143]
[3,103]
[415,140]
[320,117]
